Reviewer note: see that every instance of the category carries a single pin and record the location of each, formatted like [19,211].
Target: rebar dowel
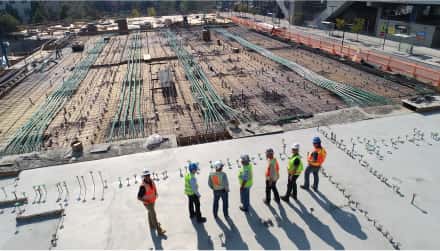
[102,180]
[4,192]
[67,192]
[59,192]
[94,187]
[80,188]
[39,194]
[36,194]
[85,188]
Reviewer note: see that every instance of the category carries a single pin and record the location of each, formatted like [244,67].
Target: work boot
[304,187]
[266,202]
[315,189]
[201,220]
[285,198]
[243,209]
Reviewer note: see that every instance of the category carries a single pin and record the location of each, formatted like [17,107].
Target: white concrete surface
[319,221]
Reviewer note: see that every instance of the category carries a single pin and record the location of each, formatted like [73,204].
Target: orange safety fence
[384,62]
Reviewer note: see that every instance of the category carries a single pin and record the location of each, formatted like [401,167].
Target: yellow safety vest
[291,167]
[188,188]
[248,169]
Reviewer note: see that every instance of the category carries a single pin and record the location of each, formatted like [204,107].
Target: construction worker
[272,175]
[192,190]
[245,177]
[315,160]
[218,182]
[294,169]
[148,195]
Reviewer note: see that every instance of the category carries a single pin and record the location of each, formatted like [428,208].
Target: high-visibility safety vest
[188,188]
[291,166]
[217,180]
[273,169]
[150,193]
[320,158]
[248,169]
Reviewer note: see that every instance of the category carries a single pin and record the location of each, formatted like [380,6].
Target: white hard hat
[295,146]
[218,164]
[146,173]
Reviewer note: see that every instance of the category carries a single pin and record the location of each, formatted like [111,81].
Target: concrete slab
[324,220]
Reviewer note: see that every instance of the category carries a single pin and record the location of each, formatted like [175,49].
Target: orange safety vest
[319,160]
[277,168]
[150,194]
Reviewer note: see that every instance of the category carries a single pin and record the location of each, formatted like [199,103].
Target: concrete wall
[413,28]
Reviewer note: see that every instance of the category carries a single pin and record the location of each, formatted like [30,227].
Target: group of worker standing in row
[218,182]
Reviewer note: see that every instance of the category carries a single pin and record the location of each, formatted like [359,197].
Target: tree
[64,11]
[8,23]
[38,13]
[135,13]
[340,23]
[358,26]
[13,12]
[151,12]
[188,6]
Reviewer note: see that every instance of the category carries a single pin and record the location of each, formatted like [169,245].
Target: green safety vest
[291,167]
[247,169]
[188,188]
[217,180]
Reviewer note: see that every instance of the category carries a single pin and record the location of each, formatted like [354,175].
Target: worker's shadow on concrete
[346,220]
[231,236]
[263,236]
[204,241]
[316,226]
[157,239]
[295,233]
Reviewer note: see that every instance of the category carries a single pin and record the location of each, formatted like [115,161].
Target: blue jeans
[315,171]
[244,197]
[224,196]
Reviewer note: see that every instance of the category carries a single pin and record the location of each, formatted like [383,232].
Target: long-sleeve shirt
[194,186]
[223,181]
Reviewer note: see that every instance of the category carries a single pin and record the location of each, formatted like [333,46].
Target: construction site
[104,92]
[198,84]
